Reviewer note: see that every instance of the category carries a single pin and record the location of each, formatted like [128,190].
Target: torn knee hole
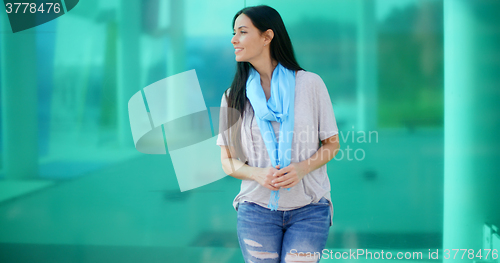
[259,254]
[252,243]
[262,254]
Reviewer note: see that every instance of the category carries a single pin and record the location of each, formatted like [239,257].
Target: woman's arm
[237,169]
[329,148]
[296,171]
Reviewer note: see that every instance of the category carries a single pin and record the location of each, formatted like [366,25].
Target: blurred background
[414,84]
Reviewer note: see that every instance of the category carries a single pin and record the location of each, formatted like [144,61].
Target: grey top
[314,121]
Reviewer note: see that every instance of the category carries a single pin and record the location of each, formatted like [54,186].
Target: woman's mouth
[237,50]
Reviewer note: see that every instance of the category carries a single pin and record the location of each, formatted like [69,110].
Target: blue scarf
[279,108]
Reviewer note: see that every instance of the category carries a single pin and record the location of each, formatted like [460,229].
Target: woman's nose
[234,39]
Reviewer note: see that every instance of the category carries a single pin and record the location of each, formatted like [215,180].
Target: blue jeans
[297,235]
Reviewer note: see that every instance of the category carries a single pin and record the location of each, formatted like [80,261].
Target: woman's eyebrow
[240,27]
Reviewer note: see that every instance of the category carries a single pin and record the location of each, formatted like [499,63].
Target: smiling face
[248,42]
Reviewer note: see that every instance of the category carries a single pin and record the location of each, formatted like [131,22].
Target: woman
[281,113]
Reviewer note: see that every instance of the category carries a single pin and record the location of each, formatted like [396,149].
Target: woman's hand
[289,176]
[264,176]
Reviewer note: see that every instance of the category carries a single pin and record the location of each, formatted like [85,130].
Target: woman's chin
[240,59]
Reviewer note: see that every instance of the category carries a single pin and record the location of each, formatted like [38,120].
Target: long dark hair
[263,18]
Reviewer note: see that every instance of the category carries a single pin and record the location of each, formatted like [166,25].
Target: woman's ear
[269,35]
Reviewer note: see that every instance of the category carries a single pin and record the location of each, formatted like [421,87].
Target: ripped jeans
[297,235]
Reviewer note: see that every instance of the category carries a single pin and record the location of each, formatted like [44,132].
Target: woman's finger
[282,178]
[289,169]
[294,183]
[285,183]
[271,187]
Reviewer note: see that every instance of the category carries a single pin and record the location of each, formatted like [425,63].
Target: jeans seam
[289,219]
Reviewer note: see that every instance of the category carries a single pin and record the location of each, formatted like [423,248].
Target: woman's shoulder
[308,78]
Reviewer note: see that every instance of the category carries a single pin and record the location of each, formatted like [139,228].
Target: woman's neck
[265,70]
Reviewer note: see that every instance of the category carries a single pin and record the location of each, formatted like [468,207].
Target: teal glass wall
[414,86]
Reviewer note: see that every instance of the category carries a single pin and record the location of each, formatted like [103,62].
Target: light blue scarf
[279,108]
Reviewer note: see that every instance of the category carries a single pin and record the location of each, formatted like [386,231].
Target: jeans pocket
[322,201]
[247,205]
